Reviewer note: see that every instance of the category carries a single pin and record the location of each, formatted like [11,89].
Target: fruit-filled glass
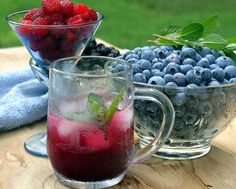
[90,121]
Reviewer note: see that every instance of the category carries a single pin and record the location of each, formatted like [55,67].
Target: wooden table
[20,170]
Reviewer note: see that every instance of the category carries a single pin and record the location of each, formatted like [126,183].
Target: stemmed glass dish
[47,43]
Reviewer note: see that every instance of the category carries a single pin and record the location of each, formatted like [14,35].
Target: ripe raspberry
[25,30]
[55,17]
[33,14]
[57,32]
[40,31]
[67,8]
[75,20]
[80,9]
[70,36]
[93,15]
[51,6]
[36,45]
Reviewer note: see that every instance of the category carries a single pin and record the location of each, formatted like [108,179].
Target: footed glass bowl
[200,114]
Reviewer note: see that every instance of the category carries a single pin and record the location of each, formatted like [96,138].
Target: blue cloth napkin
[23,99]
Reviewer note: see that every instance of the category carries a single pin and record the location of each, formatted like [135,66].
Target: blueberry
[138,77]
[206,75]
[193,78]
[224,61]
[213,66]
[173,58]
[144,64]
[159,65]
[188,53]
[197,71]
[230,72]
[205,108]
[119,68]
[233,80]
[198,57]
[193,103]
[147,74]
[180,111]
[136,68]
[185,68]
[225,81]
[191,89]
[218,74]
[137,50]
[170,89]
[169,78]
[155,60]
[167,48]
[211,58]
[204,63]
[189,61]
[177,52]
[215,53]
[167,53]
[180,79]
[172,68]
[129,56]
[214,83]
[179,99]
[148,55]
[204,51]
[157,80]
[190,117]
[156,72]
[158,53]
[132,60]
[185,46]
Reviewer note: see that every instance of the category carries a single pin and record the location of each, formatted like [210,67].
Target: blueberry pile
[171,66]
[94,49]
[182,74]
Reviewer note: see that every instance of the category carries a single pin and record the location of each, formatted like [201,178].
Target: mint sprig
[197,34]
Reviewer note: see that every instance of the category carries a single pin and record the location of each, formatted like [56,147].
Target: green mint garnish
[197,34]
[95,104]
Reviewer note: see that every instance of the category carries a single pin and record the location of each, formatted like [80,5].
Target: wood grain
[19,170]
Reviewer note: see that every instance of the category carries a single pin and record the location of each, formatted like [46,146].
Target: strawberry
[51,6]
[75,20]
[33,14]
[67,8]
[80,9]
[25,30]
[41,31]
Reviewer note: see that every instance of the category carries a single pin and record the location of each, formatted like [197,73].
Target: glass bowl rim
[11,21]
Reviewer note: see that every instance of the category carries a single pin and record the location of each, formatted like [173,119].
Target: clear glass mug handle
[166,126]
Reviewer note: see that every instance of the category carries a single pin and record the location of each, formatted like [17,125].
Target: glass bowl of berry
[201,84]
[57,30]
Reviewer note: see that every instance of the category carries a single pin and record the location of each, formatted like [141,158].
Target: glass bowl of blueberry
[201,84]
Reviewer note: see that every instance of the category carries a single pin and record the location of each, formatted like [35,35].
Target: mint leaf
[114,105]
[95,104]
[167,40]
[231,47]
[170,30]
[192,31]
[214,41]
[231,40]
[84,117]
[210,24]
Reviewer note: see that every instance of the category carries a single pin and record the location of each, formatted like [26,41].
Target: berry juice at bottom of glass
[86,151]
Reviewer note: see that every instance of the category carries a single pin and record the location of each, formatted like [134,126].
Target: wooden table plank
[19,170]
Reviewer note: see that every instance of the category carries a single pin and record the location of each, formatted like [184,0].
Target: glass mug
[90,139]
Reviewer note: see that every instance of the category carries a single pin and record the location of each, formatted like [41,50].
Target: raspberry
[55,17]
[42,31]
[25,30]
[51,6]
[75,20]
[33,14]
[57,32]
[80,9]
[70,36]
[67,8]
[36,45]
[48,42]
[93,15]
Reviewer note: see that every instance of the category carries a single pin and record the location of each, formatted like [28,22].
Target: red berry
[55,17]
[48,42]
[70,36]
[51,6]
[36,45]
[93,15]
[33,14]
[80,9]
[75,20]
[40,31]
[57,32]
[67,8]
[25,30]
